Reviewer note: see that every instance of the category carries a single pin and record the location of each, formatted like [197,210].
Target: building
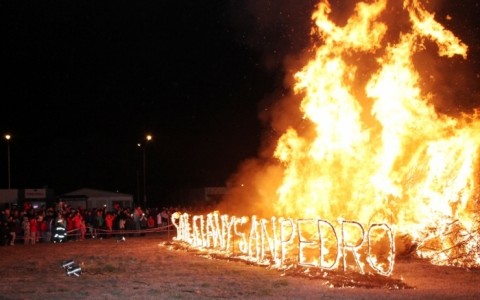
[92,198]
[37,197]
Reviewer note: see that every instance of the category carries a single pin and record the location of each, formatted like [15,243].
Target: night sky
[85,81]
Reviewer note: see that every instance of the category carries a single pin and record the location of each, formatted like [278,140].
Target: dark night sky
[84,81]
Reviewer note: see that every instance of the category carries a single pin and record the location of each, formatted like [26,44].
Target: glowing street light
[8,137]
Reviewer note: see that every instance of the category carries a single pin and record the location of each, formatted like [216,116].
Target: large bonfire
[372,147]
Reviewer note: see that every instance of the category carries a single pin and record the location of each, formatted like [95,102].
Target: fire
[289,244]
[372,147]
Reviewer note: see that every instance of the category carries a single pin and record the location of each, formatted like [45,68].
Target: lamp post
[138,179]
[8,137]
[148,138]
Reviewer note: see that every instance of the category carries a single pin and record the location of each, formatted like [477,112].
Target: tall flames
[375,149]
[372,147]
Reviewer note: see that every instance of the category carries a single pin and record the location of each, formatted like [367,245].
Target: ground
[154,267]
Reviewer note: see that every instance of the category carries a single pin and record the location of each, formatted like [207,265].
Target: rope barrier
[102,231]
[127,231]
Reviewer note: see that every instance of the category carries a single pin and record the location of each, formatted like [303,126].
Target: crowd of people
[28,225]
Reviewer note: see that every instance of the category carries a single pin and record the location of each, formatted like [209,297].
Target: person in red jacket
[33,230]
[77,222]
[150,222]
[41,228]
[109,223]
[70,228]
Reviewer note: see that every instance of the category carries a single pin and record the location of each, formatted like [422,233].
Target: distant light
[8,137]
[149,137]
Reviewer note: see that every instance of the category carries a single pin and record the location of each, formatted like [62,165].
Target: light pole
[148,138]
[8,137]
[138,181]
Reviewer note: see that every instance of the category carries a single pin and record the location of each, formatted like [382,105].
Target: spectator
[99,224]
[83,229]
[130,224]
[49,221]
[143,224]
[159,219]
[3,233]
[12,227]
[165,216]
[137,215]
[122,221]
[41,229]
[89,220]
[26,230]
[59,232]
[150,222]
[4,215]
[33,230]
[109,218]
[77,222]
[70,226]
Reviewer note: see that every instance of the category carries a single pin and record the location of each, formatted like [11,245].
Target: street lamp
[148,138]
[8,137]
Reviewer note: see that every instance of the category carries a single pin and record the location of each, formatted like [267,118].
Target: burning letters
[284,242]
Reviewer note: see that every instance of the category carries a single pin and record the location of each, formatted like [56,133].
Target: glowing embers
[285,242]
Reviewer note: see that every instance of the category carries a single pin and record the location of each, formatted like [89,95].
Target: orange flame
[371,147]
[376,150]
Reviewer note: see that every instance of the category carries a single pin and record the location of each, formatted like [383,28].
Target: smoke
[279,33]
[275,29]
[454,83]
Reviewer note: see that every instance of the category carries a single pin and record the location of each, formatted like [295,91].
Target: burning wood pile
[369,147]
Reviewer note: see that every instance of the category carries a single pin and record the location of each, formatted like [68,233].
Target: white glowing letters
[281,242]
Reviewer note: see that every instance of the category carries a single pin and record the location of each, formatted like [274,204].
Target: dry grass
[151,267]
